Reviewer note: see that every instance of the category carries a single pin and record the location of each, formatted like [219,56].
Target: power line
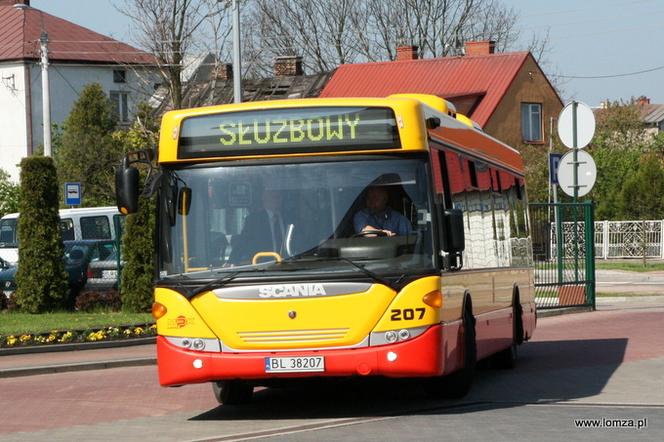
[627,74]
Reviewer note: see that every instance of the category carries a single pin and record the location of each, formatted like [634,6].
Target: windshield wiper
[216,284]
[358,266]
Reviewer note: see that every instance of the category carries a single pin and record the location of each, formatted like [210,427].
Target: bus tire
[457,384]
[232,392]
[506,359]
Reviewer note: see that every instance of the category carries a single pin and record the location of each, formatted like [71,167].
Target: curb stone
[48,348]
[78,366]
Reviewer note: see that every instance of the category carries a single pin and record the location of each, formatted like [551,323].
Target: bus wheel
[232,392]
[457,384]
[506,359]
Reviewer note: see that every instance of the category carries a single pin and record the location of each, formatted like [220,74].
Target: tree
[88,153]
[642,193]
[9,195]
[617,147]
[168,30]
[138,234]
[328,33]
[41,279]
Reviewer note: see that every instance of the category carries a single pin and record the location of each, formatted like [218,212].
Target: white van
[75,224]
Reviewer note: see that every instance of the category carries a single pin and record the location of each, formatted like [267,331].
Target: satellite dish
[585,125]
[587,173]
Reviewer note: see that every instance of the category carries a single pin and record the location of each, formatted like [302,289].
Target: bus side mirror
[126,188]
[454,241]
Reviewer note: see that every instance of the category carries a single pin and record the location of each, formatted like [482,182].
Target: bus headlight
[393,336]
[198,344]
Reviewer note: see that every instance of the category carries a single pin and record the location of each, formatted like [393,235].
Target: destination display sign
[296,130]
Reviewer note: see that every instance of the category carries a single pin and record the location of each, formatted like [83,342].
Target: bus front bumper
[417,357]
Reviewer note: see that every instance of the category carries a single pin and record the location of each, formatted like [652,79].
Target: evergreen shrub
[40,278]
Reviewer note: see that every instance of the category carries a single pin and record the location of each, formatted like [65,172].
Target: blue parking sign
[554,161]
[73,194]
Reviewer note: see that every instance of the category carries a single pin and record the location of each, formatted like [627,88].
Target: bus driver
[378,216]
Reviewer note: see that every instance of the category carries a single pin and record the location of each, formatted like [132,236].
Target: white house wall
[67,82]
[13,130]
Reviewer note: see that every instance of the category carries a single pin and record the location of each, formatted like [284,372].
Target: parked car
[102,273]
[7,282]
[78,255]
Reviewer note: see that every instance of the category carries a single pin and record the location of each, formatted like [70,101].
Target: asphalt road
[604,364]
[618,282]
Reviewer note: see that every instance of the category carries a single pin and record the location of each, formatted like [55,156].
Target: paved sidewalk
[53,362]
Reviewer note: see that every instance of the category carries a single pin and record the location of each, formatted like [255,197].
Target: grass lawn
[630,266]
[18,323]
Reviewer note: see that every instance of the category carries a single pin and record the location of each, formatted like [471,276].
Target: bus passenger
[263,230]
[378,216]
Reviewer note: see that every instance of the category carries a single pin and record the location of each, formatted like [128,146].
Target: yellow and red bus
[265,271]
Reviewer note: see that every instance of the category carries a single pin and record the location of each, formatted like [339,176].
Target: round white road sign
[587,173]
[585,125]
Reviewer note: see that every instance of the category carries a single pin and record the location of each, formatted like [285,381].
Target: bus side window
[67,229]
[440,178]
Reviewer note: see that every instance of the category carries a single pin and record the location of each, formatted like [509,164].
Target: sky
[615,39]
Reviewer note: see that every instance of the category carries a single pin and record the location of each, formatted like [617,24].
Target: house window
[120,102]
[531,122]
[119,76]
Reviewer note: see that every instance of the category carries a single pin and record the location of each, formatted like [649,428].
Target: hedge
[41,278]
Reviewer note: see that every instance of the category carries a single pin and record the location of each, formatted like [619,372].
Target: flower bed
[77,336]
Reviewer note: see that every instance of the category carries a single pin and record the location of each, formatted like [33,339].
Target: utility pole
[46,94]
[237,68]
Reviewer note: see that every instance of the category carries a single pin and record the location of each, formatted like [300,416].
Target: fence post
[559,243]
[661,238]
[605,236]
[589,221]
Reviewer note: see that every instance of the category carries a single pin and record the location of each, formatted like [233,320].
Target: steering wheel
[364,233]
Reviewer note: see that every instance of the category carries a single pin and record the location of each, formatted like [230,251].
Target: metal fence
[563,252]
[629,239]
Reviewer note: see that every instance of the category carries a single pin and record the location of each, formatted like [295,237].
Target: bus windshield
[297,217]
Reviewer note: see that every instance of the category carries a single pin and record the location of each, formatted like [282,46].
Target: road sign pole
[575,160]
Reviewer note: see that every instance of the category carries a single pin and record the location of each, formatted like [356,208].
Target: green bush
[41,278]
[87,152]
[138,253]
[8,194]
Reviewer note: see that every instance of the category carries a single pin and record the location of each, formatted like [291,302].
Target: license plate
[107,274]
[295,364]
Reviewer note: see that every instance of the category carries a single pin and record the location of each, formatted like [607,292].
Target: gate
[563,252]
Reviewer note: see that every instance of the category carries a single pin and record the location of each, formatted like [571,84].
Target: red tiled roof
[448,77]
[20,29]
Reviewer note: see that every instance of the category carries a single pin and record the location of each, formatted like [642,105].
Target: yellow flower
[52,337]
[66,337]
[138,331]
[25,338]
[11,340]
[126,332]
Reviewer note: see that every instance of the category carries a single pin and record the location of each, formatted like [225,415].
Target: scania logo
[291,290]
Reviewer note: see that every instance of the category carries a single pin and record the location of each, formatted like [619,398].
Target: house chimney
[643,100]
[407,53]
[223,72]
[486,47]
[288,66]
[14,2]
